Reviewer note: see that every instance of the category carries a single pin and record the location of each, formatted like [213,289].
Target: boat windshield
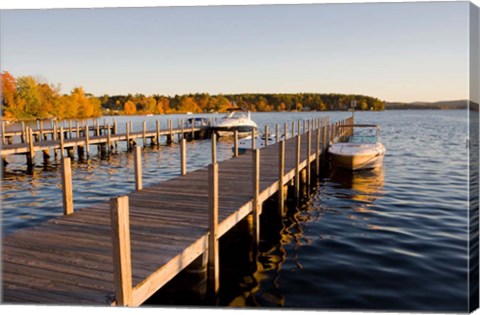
[237,115]
[364,135]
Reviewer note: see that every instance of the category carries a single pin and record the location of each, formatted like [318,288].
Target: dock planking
[68,260]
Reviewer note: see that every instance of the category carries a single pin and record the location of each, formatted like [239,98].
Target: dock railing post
[3,133]
[256,206]
[109,140]
[266,136]
[285,131]
[77,126]
[157,129]
[87,140]
[41,130]
[297,167]
[55,132]
[277,133]
[144,134]
[127,130]
[138,168]
[98,128]
[281,172]
[62,142]
[67,186]
[235,143]
[309,153]
[23,136]
[31,149]
[214,148]
[317,152]
[182,124]
[183,157]
[213,244]
[170,126]
[193,129]
[121,252]
[253,138]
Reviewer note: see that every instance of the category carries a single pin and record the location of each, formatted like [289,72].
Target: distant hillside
[460,104]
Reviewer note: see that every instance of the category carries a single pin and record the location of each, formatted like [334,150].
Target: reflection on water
[363,185]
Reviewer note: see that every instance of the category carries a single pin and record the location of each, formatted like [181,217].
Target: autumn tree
[188,104]
[9,91]
[129,108]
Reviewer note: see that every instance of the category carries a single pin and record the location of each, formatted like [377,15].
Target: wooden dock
[121,252]
[106,137]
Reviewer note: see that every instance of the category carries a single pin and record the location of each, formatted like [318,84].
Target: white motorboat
[361,150]
[236,120]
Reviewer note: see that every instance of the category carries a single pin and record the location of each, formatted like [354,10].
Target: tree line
[204,103]
[27,98]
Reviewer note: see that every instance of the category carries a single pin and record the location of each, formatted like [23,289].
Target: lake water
[390,239]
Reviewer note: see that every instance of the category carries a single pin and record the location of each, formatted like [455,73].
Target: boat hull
[229,131]
[357,162]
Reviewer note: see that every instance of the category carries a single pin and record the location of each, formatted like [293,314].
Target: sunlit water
[390,239]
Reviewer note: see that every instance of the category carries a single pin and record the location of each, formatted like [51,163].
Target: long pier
[122,251]
[67,139]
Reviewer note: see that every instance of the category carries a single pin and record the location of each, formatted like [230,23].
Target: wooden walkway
[68,260]
[24,148]
[67,140]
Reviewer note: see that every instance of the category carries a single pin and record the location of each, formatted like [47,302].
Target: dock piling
[157,130]
[127,130]
[138,168]
[297,166]
[31,150]
[62,143]
[213,244]
[266,136]
[144,136]
[183,157]
[309,153]
[256,205]
[235,143]
[3,133]
[121,252]
[67,186]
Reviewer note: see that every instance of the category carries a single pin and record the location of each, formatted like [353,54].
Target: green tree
[29,98]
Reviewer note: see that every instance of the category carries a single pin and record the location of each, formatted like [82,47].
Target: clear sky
[393,51]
